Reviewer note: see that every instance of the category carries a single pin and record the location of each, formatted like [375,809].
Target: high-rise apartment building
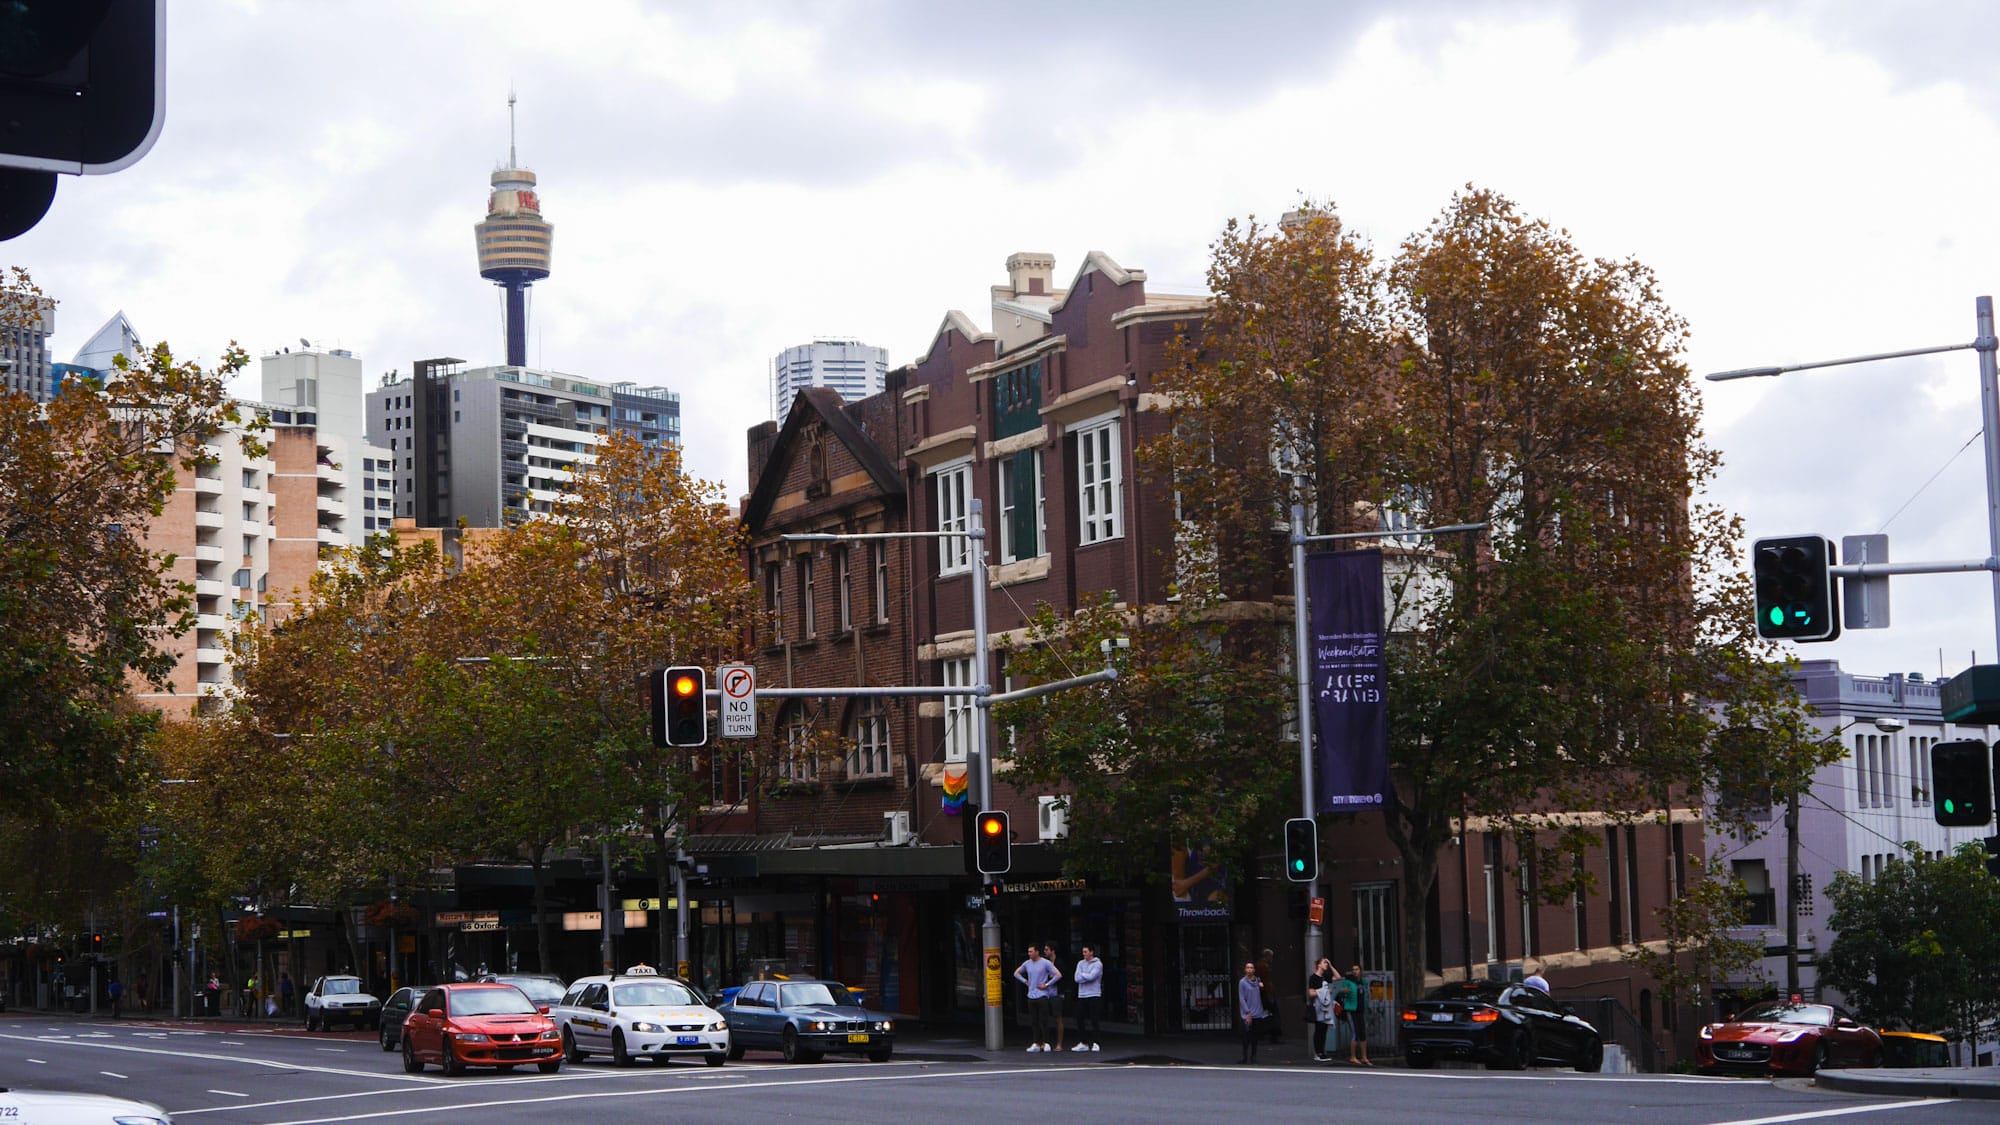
[496,445]
[24,344]
[850,368]
[323,388]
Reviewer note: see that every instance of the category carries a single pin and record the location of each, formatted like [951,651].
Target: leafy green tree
[1918,946]
[1183,748]
[1699,949]
[84,601]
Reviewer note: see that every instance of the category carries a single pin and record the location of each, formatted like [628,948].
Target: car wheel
[1821,1059]
[312,1020]
[713,1060]
[549,1067]
[569,1047]
[618,1055]
[1520,1053]
[1592,1059]
[878,1056]
[792,1051]
[735,1051]
[448,1059]
[411,1063]
[382,1037]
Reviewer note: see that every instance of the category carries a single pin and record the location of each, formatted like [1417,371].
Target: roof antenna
[511,162]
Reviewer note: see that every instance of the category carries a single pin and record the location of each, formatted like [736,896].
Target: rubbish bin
[208,1002]
[80,1003]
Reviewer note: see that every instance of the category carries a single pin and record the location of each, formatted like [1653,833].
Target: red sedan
[1788,1037]
[461,1025]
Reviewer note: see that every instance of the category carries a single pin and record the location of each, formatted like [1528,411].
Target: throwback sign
[1349,671]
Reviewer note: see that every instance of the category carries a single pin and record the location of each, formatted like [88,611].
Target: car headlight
[470,1037]
[646,1025]
[720,1024]
[815,1025]
[885,1025]
[1707,1031]
[1792,1034]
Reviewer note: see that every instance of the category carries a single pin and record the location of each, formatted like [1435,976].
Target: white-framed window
[808,619]
[959,713]
[843,598]
[1023,528]
[774,600]
[878,556]
[870,756]
[1099,481]
[799,763]
[952,485]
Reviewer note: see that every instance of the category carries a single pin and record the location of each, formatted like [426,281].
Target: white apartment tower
[322,388]
[850,368]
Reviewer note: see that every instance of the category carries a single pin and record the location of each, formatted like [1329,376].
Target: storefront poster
[1200,887]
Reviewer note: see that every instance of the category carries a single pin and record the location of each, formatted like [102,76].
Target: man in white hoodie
[1089,977]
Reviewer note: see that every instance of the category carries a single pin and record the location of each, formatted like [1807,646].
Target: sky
[1810,180]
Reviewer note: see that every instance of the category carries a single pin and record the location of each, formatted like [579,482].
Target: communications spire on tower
[514,242]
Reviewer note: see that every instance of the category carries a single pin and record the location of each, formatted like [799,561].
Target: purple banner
[1349,675]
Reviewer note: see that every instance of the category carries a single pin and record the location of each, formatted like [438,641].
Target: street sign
[738,687]
[1864,602]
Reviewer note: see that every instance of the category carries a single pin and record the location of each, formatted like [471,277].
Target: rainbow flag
[957,786]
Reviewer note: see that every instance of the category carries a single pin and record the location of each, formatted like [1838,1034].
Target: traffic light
[96,944]
[681,707]
[1301,849]
[81,92]
[994,844]
[1961,784]
[1794,588]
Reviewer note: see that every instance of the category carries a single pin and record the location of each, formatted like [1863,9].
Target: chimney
[1030,273]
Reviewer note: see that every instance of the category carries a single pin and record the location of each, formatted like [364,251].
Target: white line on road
[230,1042]
[39,1062]
[110,1074]
[1815,1114]
[229,1093]
[270,1064]
[332,1050]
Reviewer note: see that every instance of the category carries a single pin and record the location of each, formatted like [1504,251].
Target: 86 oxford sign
[737,684]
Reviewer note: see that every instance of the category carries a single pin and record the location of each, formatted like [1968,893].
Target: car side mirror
[435,1013]
[542,1008]
[600,1006]
[1569,1009]
[1845,1022]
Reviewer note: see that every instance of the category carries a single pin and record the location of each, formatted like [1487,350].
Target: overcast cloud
[1811,180]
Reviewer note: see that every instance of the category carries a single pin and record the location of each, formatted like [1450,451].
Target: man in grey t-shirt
[1040,977]
[1089,978]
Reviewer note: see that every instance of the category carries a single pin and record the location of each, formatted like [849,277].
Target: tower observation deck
[514,243]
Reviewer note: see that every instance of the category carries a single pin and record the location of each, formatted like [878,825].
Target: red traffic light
[993,850]
[685,686]
[992,825]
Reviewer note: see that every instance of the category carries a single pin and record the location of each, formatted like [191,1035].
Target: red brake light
[1485,1015]
[1409,1015]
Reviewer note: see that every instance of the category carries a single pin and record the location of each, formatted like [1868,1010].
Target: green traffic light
[1298,865]
[1949,806]
[1777,615]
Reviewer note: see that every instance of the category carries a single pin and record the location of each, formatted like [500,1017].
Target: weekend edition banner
[1349,672]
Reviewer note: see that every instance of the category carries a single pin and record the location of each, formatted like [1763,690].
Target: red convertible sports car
[1787,1037]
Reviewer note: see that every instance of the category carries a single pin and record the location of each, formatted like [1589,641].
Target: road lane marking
[39,1062]
[269,1064]
[1816,1114]
[110,1074]
[232,1042]
[229,1093]
[332,1050]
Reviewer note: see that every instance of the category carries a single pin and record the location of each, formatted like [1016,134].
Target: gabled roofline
[826,405]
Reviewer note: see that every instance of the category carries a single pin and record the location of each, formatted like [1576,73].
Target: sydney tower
[514,243]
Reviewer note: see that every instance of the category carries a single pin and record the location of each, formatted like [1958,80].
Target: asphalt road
[294,1078]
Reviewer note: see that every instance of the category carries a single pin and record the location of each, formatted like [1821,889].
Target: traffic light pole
[1315,945]
[1989,401]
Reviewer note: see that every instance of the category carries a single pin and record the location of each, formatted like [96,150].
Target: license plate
[857,1037]
[687,1040]
[1440,1017]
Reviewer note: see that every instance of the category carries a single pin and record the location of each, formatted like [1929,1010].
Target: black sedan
[396,1009]
[805,1019]
[1506,1026]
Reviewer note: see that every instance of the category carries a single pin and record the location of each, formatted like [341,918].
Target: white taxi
[639,1014]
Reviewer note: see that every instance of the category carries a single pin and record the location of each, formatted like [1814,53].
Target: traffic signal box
[1961,784]
[681,707]
[1301,849]
[1794,589]
[992,843]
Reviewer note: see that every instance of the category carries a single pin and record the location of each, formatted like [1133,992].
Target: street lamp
[1989,400]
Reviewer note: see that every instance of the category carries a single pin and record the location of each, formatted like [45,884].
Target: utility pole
[1792,893]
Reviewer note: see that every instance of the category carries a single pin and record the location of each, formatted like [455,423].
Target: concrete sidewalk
[1926,1082]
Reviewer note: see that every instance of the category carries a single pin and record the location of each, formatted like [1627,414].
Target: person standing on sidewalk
[1268,980]
[1320,1007]
[1353,1003]
[1089,977]
[1040,977]
[1250,1009]
[1056,990]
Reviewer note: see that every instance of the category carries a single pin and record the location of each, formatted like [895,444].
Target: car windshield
[802,995]
[340,985]
[490,1002]
[1477,992]
[1817,1015]
[653,994]
[539,989]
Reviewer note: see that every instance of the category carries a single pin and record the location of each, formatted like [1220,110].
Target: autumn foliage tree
[1569,655]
